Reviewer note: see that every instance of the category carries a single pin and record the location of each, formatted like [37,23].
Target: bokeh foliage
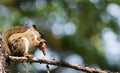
[69,26]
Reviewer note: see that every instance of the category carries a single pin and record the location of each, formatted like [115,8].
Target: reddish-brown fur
[20,42]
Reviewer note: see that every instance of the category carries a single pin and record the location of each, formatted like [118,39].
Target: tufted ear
[38,31]
[27,23]
[34,27]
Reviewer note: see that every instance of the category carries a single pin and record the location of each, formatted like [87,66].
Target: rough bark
[3,65]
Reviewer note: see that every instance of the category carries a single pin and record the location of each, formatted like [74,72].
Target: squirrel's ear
[34,27]
[27,22]
[38,31]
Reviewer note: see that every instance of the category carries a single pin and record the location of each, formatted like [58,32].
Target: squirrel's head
[36,38]
[40,39]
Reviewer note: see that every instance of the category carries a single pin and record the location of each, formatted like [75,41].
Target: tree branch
[3,65]
[59,63]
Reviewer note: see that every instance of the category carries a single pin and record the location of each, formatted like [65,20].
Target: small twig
[48,69]
[59,63]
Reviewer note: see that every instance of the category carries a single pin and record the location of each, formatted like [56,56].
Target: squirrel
[19,40]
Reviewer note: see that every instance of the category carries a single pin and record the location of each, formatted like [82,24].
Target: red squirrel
[19,40]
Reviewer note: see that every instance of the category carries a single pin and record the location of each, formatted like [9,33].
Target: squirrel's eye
[38,38]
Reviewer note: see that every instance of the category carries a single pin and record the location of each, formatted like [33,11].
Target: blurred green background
[84,32]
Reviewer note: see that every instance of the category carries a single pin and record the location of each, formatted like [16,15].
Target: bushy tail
[9,32]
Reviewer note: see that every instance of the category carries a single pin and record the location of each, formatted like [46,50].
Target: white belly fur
[27,44]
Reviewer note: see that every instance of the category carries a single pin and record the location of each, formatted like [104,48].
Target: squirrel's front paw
[29,56]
